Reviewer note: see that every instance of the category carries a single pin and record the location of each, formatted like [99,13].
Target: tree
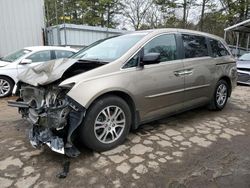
[136,11]
[170,5]
[214,22]
[90,12]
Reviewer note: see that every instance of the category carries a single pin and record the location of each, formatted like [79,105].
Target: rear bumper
[243,77]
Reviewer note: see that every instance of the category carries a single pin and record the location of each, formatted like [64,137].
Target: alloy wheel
[109,124]
[221,94]
[4,87]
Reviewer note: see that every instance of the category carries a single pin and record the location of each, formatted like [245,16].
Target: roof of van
[162,30]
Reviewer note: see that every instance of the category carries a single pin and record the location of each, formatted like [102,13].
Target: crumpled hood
[46,73]
[243,64]
[4,63]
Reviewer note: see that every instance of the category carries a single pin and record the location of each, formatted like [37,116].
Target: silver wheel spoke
[116,113]
[112,135]
[108,112]
[119,126]
[103,133]
[105,137]
[105,114]
[99,122]
[115,133]
[100,127]
[120,121]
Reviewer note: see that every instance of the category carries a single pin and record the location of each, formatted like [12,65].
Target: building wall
[21,24]
[78,35]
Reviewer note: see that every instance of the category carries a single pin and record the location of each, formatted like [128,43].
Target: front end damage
[53,115]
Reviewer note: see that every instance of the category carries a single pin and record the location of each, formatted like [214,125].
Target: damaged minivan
[119,83]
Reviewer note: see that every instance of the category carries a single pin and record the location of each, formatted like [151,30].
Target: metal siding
[21,24]
[80,35]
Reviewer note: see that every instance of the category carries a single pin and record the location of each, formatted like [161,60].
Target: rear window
[217,48]
[194,46]
[63,54]
[40,56]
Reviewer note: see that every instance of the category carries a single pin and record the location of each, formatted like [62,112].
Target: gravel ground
[199,148]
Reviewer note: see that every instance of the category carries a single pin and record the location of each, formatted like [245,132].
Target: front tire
[106,124]
[221,93]
[6,86]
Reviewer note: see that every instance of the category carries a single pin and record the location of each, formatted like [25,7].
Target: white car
[13,64]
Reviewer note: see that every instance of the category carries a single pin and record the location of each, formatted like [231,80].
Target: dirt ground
[198,148]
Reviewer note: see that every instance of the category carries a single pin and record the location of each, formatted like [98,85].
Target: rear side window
[217,48]
[63,54]
[40,56]
[194,46]
[165,45]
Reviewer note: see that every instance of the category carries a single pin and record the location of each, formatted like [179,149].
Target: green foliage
[90,12]
[214,23]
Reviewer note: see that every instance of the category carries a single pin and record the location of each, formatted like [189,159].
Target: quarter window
[63,54]
[217,48]
[40,56]
[133,62]
[194,46]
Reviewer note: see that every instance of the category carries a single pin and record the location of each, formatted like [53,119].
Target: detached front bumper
[52,126]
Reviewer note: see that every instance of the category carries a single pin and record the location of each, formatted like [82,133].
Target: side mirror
[151,58]
[26,61]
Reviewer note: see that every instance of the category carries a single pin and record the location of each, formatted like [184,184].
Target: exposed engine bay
[53,115]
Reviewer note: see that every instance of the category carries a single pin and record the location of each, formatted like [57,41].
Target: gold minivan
[119,83]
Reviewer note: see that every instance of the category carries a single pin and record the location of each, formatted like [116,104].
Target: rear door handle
[183,72]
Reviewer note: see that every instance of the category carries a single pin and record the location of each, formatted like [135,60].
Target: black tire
[88,134]
[10,84]
[214,104]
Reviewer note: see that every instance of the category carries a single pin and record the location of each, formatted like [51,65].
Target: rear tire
[6,86]
[220,96]
[106,124]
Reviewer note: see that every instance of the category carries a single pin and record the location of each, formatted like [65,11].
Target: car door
[35,59]
[159,86]
[199,69]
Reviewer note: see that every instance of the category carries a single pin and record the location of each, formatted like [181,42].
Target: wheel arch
[1,75]
[228,80]
[128,99]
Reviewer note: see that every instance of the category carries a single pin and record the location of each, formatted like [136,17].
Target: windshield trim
[140,37]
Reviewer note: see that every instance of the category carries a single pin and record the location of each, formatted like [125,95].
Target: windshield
[14,56]
[110,49]
[245,57]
